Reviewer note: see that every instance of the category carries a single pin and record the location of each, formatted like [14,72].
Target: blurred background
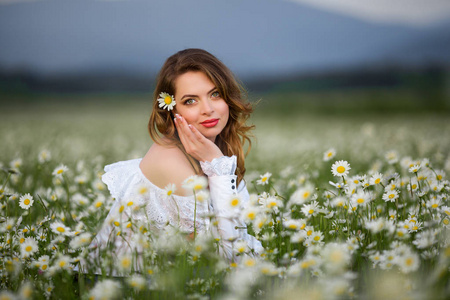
[76,77]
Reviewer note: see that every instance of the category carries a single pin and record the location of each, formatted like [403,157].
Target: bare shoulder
[163,165]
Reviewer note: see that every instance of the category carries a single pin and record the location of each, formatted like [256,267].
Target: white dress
[125,180]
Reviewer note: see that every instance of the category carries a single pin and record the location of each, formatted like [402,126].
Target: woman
[198,128]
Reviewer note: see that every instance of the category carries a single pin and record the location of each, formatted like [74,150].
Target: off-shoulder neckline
[139,171]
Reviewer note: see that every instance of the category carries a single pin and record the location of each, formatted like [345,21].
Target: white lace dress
[125,181]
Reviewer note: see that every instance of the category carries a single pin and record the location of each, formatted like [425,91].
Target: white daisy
[166,101]
[106,289]
[28,247]
[81,240]
[26,201]
[195,183]
[59,171]
[137,282]
[376,178]
[202,196]
[63,263]
[329,154]
[408,262]
[310,209]
[264,179]
[414,169]
[170,189]
[60,228]
[124,263]
[391,157]
[340,168]
[42,262]
[361,199]
[44,156]
[390,196]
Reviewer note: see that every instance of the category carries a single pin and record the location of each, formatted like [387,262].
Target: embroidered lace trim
[220,166]
[125,180]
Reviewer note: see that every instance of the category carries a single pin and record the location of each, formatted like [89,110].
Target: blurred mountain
[255,38]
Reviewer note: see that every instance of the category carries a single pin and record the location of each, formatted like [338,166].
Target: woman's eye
[215,95]
[189,101]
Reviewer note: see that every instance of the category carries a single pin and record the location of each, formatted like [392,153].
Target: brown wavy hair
[235,134]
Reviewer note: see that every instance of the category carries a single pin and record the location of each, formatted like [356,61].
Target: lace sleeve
[223,165]
[223,188]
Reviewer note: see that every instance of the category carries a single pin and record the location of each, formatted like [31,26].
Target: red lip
[210,123]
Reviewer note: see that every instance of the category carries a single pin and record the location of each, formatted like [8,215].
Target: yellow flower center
[44,267]
[28,248]
[121,208]
[317,238]
[98,204]
[305,195]
[303,226]
[377,181]
[360,200]
[264,179]
[435,205]
[292,226]
[409,261]
[116,223]
[168,100]
[169,193]
[414,186]
[311,211]
[126,262]
[329,154]
[251,215]
[25,230]
[60,171]
[62,263]
[250,262]
[309,232]
[305,265]
[446,221]
[400,233]
[234,202]
[340,169]
[143,190]
[130,203]
[60,229]
[391,196]
[26,201]
[198,187]
[21,240]
[439,177]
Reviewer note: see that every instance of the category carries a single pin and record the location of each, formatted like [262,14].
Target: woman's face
[199,102]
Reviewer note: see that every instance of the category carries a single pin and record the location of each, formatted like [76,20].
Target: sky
[409,12]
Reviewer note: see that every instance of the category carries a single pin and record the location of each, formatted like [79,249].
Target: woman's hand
[195,143]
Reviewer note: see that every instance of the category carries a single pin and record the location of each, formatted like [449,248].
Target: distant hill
[256,38]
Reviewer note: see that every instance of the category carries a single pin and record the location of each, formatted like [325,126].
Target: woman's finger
[180,131]
[200,137]
[185,133]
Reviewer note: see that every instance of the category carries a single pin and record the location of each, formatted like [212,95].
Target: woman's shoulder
[163,165]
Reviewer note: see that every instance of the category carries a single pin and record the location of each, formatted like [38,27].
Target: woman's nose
[207,107]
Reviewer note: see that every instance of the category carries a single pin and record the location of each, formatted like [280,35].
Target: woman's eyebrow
[194,96]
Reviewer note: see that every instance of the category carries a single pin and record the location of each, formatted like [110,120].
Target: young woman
[198,128]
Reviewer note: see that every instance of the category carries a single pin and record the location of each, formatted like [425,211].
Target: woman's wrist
[219,166]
